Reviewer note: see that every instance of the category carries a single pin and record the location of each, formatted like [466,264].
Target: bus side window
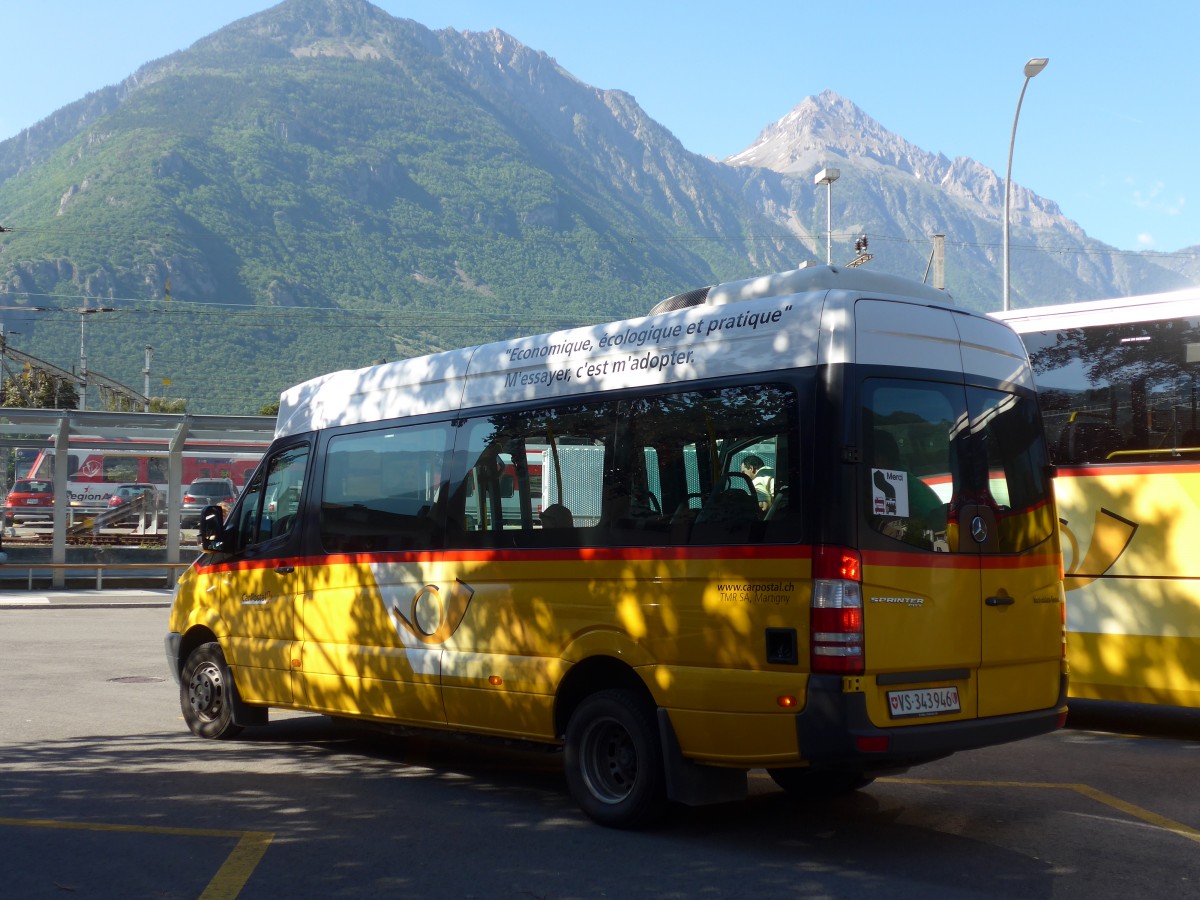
[637,472]
[687,473]
[1081,441]
[382,489]
[536,478]
[271,503]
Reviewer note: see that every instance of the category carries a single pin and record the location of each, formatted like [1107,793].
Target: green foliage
[36,389]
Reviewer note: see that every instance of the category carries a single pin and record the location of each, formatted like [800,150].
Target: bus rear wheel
[818,784]
[206,693]
[614,762]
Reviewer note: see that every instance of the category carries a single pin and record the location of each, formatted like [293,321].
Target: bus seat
[681,522]
[728,517]
[557,516]
[1085,442]
[731,509]
[779,504]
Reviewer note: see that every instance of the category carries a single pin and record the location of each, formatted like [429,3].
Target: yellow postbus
[555,540]
[1118,383]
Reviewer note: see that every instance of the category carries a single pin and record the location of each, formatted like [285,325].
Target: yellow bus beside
[556,540]
[1118,387]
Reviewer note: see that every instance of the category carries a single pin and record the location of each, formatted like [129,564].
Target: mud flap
[245,714]
[691,783]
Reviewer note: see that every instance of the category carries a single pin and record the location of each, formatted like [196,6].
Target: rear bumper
[22,514]
[834,727]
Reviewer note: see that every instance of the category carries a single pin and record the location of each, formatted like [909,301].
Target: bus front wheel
[206,693]
[614,762]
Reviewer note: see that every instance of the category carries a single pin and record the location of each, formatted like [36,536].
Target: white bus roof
[758,325]
[1117,311]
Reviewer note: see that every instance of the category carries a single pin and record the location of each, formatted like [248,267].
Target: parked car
[125,494]
[205,492]
[29,500]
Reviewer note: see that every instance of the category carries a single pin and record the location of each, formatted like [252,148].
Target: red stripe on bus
[898,559]
[532,554]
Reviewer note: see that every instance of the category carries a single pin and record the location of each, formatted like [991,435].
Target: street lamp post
[1032,67]
[83,379]
[146,376]
[827,177]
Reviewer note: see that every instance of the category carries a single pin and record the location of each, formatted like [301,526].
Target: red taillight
[836,562]
[873,744]
[837,616]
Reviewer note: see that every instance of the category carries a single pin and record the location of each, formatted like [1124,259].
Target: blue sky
[1108,130]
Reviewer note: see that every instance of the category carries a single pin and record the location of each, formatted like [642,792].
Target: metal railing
[47,570]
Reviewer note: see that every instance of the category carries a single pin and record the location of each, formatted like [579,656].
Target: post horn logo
[433,618]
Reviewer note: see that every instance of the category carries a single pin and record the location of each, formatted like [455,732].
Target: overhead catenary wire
[730,237]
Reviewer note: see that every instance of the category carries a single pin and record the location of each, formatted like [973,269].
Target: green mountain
[322,185]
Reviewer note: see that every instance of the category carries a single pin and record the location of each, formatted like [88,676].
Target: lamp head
[1035,65]
[827,176]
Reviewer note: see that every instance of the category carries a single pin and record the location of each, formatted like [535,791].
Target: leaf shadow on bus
[503,629]
[1117,391]
[1132,584]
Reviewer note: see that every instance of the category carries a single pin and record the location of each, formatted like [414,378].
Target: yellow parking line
[1124,806]
[238,866]
[231,877]
[1136,811]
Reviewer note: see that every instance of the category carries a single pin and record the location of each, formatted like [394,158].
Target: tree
[168,404]
[116,401]
[37,389]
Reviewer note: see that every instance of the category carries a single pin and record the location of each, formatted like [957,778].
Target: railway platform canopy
[170,437]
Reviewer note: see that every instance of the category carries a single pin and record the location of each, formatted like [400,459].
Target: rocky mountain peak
[829,129]
[830,125]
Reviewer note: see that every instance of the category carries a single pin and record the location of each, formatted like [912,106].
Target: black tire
[818,784]
[614,761]
[206,692]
